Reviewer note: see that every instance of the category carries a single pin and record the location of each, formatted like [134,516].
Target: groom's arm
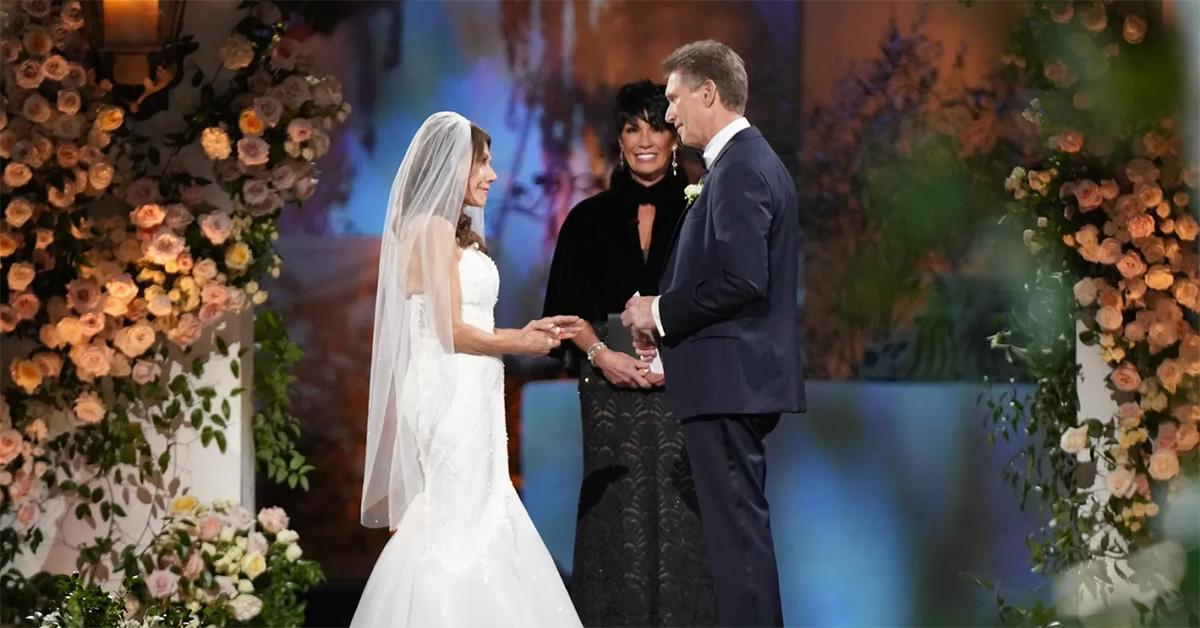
[741,215]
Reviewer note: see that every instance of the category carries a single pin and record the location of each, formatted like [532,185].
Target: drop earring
[674,161]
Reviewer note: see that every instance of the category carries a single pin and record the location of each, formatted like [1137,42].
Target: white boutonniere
[692,192]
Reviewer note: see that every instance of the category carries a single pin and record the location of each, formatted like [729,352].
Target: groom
[728,323]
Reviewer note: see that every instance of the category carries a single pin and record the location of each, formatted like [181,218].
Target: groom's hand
[637,314]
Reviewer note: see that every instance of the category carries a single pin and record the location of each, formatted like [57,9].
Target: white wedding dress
[465,552]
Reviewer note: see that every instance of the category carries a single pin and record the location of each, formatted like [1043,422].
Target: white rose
[1074,440]
[245,607]
[287,536]
[253,565]
[293,552]
[1121,482]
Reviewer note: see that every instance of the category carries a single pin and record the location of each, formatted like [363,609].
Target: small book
[620,337]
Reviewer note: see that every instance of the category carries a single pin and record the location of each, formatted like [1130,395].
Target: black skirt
[639,550]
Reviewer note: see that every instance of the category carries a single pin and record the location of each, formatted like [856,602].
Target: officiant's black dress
[639,551]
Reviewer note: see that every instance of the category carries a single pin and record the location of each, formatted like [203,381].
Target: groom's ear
[708,92]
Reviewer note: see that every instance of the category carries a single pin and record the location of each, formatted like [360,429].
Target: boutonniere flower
[692,192]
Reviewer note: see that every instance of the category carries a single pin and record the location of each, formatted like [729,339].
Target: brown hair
[711,60]
[480,142]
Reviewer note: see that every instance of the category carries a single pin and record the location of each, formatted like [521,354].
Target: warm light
[130,32]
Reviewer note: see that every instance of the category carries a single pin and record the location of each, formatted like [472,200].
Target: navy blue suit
[733,354]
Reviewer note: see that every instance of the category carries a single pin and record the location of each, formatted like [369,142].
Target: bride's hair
[466,236]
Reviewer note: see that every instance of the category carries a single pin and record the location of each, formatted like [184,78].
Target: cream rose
[89,408]
[184,504]
[238,256]
[237,53]
[1074,440]
[122,288]
[216,143]
[245,607]
[204,271]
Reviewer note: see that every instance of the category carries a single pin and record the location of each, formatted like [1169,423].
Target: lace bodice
[480,283]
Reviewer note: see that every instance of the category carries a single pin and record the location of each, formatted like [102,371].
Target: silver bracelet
[594,350]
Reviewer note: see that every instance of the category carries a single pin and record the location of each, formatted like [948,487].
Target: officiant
[639,552]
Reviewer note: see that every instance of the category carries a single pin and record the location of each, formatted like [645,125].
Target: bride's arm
[536,338]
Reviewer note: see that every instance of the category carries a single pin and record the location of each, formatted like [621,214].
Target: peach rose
[1189,353]
[122,288]
[1141,170]
[164,248]
[20,275]
[93,359]
[1109,319]
[1169,375]
[135,340]
[37,431]
[1186,228]
[91,323]
[1129,414]
[1085,292]
[1141,226]
[1109,252]
[11,443]
[18,212]
[1187,437]
[1162,335]
[26,305]
[84,296]
[69,331]
[26,375]
[1149,194]
[1134,29]
[1164,465]
[17,174]
[90,408]
[1126,377]
[1130,265]
[1088,195]
[147,216]
[1159,277]
[250,124]
[194,566]
[49,363]
[36,108]
[1070,141]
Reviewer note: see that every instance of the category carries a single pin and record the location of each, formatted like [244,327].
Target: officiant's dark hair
[464,234]
[711,60]
[643,100]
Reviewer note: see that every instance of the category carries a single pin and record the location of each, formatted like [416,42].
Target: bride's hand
[538,337]
[558,327]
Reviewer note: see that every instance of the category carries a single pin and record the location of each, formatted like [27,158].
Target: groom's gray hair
[711,60]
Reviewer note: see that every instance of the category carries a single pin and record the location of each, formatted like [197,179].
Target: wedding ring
[555,330]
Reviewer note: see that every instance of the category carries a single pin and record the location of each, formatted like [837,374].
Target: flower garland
[117,262]
[1109,217]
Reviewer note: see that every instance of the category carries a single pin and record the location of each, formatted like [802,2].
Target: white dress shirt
[711,151]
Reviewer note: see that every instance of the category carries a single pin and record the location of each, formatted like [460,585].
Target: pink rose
[253,151]
[273,520]
[193,195]
[268,109]
[91,323]
[135,340]
[255,191]
[178,217]
[164,247]
[256,542]
[210,313]
[210,528]
[194,566]
[145,372]
[1164,465]
[294,91]
[1088,195]
[1126,377]
[84,296]
[162,583]
[186,331]
[217,226]
[27,514]
[26,305]
[283,55]
[300,130]
[142,192]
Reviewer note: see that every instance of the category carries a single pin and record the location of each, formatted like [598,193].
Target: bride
[464,551]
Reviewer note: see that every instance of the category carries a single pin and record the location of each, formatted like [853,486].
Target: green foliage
[276,429]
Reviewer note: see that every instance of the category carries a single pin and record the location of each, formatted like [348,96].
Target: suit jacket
[731,294]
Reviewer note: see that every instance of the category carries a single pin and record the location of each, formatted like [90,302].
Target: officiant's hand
[643,342]
[539,337]
[637,314]
[621,370]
